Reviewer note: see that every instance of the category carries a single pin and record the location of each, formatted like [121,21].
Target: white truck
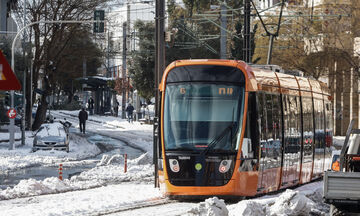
[342,182]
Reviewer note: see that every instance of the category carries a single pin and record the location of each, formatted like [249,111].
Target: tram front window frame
[203,117]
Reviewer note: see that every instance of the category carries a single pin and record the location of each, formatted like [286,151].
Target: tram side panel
[319,138]
[328,133]
[292,141]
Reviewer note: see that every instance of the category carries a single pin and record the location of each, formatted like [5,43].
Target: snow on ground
[107,186]
[86,202]
[139,170]
[137,134]
[304,200]
[23,156]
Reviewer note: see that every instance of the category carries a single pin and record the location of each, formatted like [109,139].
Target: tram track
[134,206]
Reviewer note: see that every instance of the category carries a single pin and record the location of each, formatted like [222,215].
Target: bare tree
[50,40]
[312,37]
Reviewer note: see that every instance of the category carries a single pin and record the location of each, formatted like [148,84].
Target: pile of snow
[107,160]
[305,200]
[53,129]
[288,203]
[248,207]
[291,203]
[112,169]
[32,187]
[211,207]
[142,160]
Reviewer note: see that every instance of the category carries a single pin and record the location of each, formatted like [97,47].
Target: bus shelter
[103,95]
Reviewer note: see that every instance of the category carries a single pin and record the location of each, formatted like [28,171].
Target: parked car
[52,136]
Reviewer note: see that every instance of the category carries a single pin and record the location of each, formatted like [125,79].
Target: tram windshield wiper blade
[217,139]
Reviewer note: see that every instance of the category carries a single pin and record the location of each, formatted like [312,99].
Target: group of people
[83,115]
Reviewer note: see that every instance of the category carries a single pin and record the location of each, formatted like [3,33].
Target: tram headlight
[174,165]
[224,166]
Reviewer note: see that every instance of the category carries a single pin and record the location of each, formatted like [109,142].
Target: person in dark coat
[83,116]
[91,105]
[116,108]
[130,110]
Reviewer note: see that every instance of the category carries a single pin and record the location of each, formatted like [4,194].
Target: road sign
[8,80]
[11,113]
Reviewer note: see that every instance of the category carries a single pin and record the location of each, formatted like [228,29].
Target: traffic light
[99,16]
[7,100]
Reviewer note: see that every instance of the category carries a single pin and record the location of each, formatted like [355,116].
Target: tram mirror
[246,148]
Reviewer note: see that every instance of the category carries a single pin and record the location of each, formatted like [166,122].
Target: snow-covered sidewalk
[85,202]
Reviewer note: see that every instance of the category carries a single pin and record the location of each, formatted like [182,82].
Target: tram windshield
[202,117]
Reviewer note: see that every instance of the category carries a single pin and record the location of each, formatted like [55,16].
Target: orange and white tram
[229,129]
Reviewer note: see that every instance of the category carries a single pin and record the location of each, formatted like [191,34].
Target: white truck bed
[341,186]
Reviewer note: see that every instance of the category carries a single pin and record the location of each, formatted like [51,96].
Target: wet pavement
[109,145]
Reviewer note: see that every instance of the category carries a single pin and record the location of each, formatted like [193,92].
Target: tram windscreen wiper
[218,138]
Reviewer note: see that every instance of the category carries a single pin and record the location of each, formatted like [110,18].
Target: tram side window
[270,134]
[274,127]
[319,124]
[292,127]
[329,124]
[308,126]
[263,128]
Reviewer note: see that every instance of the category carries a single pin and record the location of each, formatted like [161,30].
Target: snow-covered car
[52,136]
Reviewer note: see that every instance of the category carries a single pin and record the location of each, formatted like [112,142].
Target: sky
[107,189]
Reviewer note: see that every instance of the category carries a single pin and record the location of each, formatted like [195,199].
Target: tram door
[292,141]
[270,141]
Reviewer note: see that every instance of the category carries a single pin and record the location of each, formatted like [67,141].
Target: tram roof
[262,77]
[285,82]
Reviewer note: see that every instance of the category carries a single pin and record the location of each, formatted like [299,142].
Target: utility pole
[128,41]
[223,35]
[247,35]
[159,70]
[24,84]
[123,116]
[84,85]
[128,25]
[108,51]
[31,92]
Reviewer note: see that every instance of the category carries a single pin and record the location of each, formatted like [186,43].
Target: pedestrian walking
[116,108]
[142,111]
[91,105]
[83,116]
[130,110]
